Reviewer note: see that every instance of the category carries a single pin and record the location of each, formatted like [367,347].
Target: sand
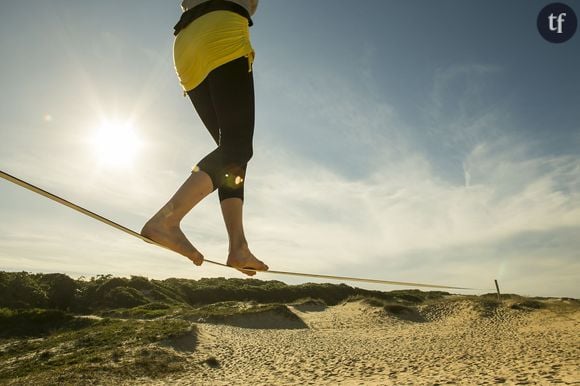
[356,344]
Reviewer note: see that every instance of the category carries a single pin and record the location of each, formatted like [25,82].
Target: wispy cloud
[409,208]
[310,215]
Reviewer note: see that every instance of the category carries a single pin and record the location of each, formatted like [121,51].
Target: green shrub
[20,290]
[140,283]
[60,289]
[37,322]
[528,304]
[124,297]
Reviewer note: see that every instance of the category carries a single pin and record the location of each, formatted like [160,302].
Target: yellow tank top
[208,42]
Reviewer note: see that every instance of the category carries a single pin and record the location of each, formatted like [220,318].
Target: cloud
[309,214]
[408,208]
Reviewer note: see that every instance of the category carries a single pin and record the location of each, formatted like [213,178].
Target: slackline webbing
[122,228]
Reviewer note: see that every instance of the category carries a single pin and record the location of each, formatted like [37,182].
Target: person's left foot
[244,261]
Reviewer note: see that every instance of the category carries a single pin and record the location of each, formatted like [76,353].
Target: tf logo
[557,23]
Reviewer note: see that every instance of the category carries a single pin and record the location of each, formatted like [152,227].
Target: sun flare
[115,144]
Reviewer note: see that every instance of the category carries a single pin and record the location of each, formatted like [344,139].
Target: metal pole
[498,293]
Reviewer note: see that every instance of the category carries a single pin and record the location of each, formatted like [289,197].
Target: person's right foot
[173,238]
[242,258]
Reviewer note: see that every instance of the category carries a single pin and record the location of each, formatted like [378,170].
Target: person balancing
[213,59]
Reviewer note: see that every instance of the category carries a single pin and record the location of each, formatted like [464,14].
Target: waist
[196,12]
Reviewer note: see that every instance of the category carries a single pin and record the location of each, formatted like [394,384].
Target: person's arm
[188,4]
[253,6]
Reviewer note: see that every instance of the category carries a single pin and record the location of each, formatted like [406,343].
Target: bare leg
[163,227]
[239,255]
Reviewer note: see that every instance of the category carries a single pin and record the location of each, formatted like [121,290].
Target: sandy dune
[355,344]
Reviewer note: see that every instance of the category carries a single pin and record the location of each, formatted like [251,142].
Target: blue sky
[399,140]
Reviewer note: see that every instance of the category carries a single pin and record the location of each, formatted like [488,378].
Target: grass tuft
[108,348]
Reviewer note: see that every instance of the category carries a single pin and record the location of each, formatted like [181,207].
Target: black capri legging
[225,104]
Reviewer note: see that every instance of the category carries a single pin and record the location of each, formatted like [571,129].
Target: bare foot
[171,237]
[243,258]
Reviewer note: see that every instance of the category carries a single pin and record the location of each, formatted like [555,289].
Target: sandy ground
[355,344]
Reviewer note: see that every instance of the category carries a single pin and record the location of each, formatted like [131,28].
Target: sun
[115,143]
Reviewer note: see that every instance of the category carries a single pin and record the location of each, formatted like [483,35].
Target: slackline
[122,228]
